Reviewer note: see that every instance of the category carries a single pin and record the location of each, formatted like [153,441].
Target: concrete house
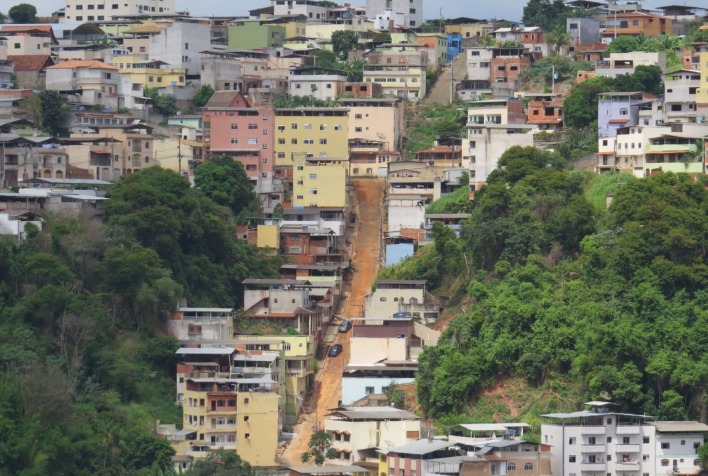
[626,63]
[680,88]
[616,110]
[583,31]
[320,83]
[422,457]
[89,83]
[95,10]
[357,431]
[635,24]
[202,324]
[392,297]
[404,13]
[400,70]
[375,119]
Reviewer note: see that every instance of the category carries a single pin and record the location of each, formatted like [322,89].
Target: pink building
[235,127]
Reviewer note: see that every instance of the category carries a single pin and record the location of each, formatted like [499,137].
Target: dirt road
[368,206]
[440,92]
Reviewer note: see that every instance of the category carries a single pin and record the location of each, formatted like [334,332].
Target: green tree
[672,407]
[381,38]
[23,13]
[343,41]
[580,106]
[48,109]
[623,44]
[319,448]
[220,463]
[224,180]
[548,14]
[204,93]
[165,104]
[558,37]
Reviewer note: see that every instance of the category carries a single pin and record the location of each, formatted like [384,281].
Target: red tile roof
[30,62]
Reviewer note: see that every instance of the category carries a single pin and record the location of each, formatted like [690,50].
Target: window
[591,440]
[369,390]
[234,140]
[293,141]
[308,141]
[645,440]
[357,116]
[571,459]
[281,155]
[625,440]
[293,126]
[265,146]
[624,111]
[664,462]
[571,440]
[253,126]
[665,445]
[265,132]
[609,439]
[528,467]
[511,467]
[313,191]
[323,141]
[609,421]
[281,141]
[313,176]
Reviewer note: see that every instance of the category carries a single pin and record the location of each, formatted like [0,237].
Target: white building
[100,10]
[320,83]
[487,143]
[312,9]
[601,441]
[180,45]
[680,88]
[479,62]
[409,12]
[620,64]
[194,323]
[357,431]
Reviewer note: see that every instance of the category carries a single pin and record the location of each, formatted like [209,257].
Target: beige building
[375,119]
[319,181]
[357,431]
[400,73]
[77,11]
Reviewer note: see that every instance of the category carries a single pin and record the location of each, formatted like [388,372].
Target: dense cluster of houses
[244,389]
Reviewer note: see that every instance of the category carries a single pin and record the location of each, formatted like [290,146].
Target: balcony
[628,429]
[593,430]
[628,448]
[226,445]
[593,448]
[627,466]
[594,467]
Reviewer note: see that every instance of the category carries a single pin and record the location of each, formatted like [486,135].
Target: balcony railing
[592,430]
[628,429]
[628,448]
[600,467]
[593,448]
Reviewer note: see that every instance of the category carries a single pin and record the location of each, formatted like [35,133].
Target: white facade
[599,441]
[411,10]
[312,9]
[680,89]
[479,64]
[78,11]
[625,63]
[202,324]
[319,86]
[406,211]
[362,428]
[387,298]
[180,45]
[487,143]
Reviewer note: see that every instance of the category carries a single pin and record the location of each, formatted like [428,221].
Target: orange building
[637,23]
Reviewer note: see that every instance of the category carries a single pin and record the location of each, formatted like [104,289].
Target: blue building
[454,46]
[616,110]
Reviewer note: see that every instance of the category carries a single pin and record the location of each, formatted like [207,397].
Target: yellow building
[702,93]
[268,236]
[237,410]
[470,30]
[152,74]
[319,182]
[313,131]
[295,25]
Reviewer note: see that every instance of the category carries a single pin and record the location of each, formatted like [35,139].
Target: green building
[251,34]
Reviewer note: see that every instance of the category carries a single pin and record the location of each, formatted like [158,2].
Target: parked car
[335,350]
[345,326]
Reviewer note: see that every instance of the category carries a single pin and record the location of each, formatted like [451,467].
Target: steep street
[368,207]
[440,92]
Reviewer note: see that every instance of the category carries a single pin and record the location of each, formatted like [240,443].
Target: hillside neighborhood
[313,235]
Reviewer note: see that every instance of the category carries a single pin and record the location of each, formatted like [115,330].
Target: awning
[619,121]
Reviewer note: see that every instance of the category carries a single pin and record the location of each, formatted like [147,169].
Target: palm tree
[558,38]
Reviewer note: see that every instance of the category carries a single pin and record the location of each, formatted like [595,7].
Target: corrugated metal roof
[421,447]
[681,426]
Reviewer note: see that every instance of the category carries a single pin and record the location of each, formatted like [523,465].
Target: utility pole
[452,79]
[179,153]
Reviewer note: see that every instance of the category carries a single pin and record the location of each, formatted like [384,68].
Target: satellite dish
[605,395]
[381,135]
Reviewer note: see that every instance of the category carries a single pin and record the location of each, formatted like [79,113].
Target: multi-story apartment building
[616,110]
[401,72]
[231,400]
[600,441]
[235,128]
[319,181]
[495,111]
[226,70]
[409,297]
[620,64]
[202,324]
[435,44]
[319,83]
[479,63]
[407,13]
[487,143]
[77,11]
[702,92]
[680,88]
[316,132]
[379,120]
[180,46]
[545,111]
[583,31]
[507,64]
[645,150]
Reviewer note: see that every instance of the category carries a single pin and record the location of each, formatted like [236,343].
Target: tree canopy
[343,41]
[23,13]
[224,180]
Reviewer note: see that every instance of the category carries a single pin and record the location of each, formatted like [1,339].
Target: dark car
[345,326]
[335,350]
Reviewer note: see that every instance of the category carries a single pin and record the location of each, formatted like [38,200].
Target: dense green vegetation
[429,121]
[564,293]
[86,369]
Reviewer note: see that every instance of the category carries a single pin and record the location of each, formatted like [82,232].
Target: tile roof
[91,64]
[30,62]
